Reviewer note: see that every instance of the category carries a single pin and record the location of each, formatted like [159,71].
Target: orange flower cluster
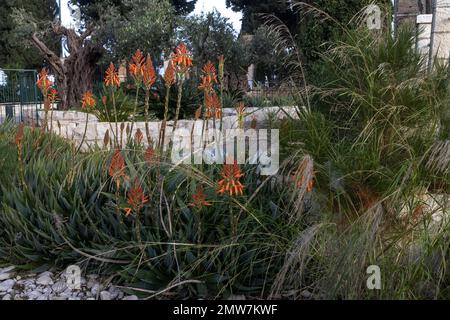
[88,100]
[169,75]
[213,106]
[136,68]
[48,92]
[136,198]
[209,77]
[117,167]
[112,76]
[182,59]
[231,173]
[44,83]
[199,199]
[149,76]
[51,97]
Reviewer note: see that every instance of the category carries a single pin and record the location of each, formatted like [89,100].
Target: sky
[209,5]
[201,6]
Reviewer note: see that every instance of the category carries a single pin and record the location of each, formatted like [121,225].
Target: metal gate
[20,98]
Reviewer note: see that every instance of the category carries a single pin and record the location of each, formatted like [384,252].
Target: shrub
[72,212]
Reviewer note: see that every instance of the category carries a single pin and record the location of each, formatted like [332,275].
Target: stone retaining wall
[72,125]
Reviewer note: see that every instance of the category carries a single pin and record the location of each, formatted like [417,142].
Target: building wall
[432,20]
[440,34]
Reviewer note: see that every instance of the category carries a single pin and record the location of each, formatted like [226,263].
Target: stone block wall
[72,125]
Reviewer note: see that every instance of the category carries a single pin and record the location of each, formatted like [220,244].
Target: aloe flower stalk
[182,62]
[169,78]
[137,73]
[87,103]
[112,80]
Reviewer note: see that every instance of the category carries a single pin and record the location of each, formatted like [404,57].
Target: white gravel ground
[15,285]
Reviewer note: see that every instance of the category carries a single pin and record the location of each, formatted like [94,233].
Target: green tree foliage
[211,35]
[183,7]
[128,25]
[252,10]
[92,9]
[305,20]
[13,52]
[266,56]
[314,30]
[149,26]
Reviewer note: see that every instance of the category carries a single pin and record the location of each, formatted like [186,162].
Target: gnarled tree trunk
[74,74]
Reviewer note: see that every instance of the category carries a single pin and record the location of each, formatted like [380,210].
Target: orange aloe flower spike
[230,183]
[213,105]
[88,100]
[112,76]
[138,58]
[182,58]
[209,77]
[136,198]
[52,94]
[44,82]
[169,75]
[149,76]
[117,167]
[136,68]
[199,199]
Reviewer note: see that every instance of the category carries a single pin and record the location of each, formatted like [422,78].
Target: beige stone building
[432,20]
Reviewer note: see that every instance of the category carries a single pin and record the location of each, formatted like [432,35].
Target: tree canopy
[93,9]
[306,25]
[210,35]
[150,26]
[252,11]
[14,52]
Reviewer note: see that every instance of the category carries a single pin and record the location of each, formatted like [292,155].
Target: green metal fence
[20,98]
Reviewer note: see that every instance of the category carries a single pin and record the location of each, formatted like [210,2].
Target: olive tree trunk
[75,73]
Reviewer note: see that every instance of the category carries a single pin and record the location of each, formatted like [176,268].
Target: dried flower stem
[146,106]
[134,113]
[222,84]
[162,133]
[109,122]
[180,94]
[115,118]
[84,134]
[19,139]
